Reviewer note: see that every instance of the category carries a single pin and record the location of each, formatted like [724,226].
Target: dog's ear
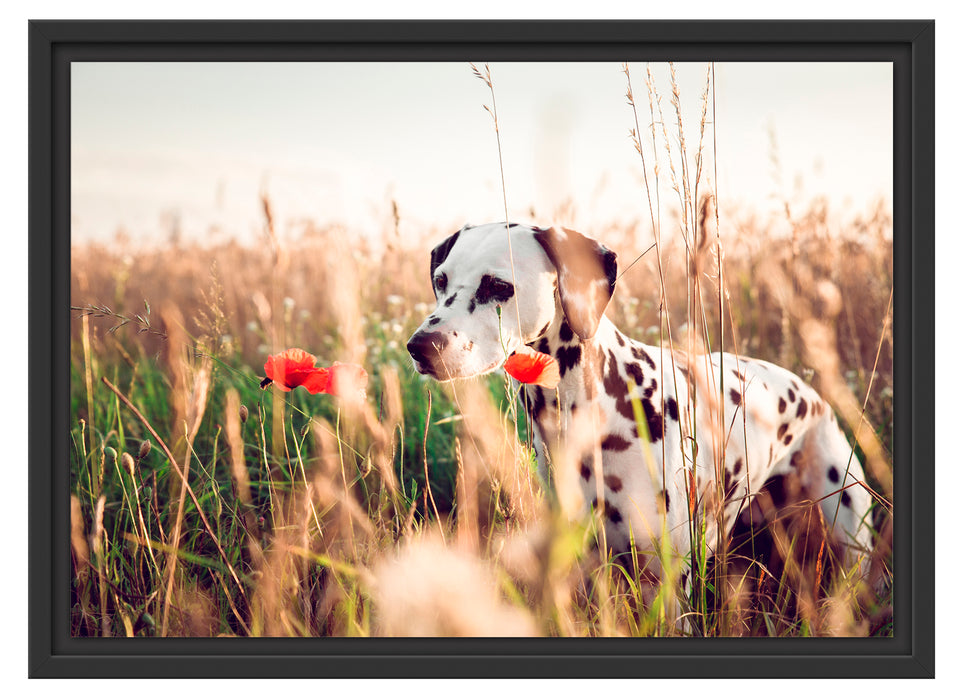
[585,274]
[440,253]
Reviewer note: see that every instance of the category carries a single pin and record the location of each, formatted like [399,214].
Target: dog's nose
[425,348]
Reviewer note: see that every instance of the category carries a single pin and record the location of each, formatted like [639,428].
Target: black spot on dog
[792,395]
[614,483]
[728,486]
[433,321]
[542,331]
[620,339]
[651,389]
[788,439]
[782,430]
[493,289]
[613,515]
[735,396]
[739,375]
[795,460]
[801,408]
[833,475]
[439,254]
[615,443]
[449,302]
[642,355]
[472,306]
[672,410]
[584,468]
[565,332]
[654,421]
[738,466]
[666,499]
[776,487]
[782,405]
[635,372]
[568,358]
[543,345]
[845,499]
[616,388]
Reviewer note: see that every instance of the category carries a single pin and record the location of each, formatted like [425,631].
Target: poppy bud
[127,461]
[145,448]
[110,452]
[244,413]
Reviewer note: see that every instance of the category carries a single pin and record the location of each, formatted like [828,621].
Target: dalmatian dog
[655,416]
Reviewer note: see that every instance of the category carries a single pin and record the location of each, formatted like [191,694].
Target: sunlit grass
[203,504]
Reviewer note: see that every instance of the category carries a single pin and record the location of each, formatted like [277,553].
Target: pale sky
[336,142]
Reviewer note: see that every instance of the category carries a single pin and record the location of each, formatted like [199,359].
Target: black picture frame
[53,45]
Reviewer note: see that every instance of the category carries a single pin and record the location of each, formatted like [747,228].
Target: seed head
[145,448]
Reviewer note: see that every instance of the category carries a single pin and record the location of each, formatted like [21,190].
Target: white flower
[288,303]
[394,299]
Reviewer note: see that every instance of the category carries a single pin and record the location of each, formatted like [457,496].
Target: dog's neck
[581,362]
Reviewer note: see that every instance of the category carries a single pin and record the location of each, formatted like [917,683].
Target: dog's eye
[440,283]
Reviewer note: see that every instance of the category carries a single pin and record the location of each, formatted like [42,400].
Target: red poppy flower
[293,368]
[532,367]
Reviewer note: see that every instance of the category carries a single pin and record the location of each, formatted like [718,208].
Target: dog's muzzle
[425,349]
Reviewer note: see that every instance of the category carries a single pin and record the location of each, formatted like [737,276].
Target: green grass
[318,555]
[419,511]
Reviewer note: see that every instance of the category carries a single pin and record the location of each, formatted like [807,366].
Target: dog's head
[475,325]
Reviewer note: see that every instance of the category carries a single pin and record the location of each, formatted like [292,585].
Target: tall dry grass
[203,505]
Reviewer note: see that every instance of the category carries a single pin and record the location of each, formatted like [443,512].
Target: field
[205,505]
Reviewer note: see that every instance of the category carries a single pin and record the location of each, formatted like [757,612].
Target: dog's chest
[619,380]
[611,395]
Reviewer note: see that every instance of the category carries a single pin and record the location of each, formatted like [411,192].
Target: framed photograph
[526,348]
